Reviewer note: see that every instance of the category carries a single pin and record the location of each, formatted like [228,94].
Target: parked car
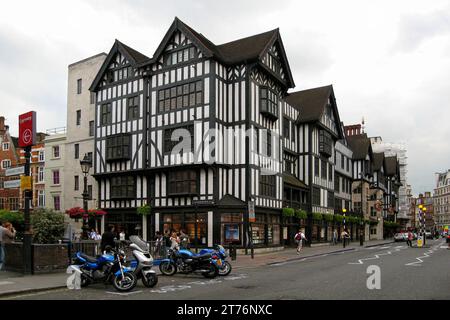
[428,235]
[400,236]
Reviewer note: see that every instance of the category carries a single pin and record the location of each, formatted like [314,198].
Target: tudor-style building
[319,130]
[236,88]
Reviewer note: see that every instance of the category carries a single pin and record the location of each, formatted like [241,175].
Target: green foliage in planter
[301,214]
[352,219]
[288,212]
[328,217]
[373,223]
[16,218]
[338,218]
[390,225]
[144,210]
[317,216]
[48,226]
[367,221]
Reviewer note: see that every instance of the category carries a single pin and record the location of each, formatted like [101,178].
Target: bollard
[252,252]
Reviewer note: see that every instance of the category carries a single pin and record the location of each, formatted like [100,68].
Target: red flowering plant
[76,213]
[96,212]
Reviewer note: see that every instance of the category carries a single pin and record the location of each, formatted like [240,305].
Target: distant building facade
[442,200]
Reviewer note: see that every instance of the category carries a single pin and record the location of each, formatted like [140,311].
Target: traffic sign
[25,182]
[11,184]
[15,171]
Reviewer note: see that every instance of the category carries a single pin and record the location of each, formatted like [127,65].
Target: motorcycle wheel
[150,280]
[212,273]
[84,281]
[168,268]
[226,269]
[126,284]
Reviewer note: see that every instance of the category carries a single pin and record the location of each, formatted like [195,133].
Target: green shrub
[288,212]
[48,226]
[16,218]
[317,216]
[301,214]
[328,217]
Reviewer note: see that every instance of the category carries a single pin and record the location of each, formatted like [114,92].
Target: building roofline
[87,59]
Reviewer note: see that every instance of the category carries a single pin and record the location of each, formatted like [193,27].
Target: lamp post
[362,227]
[86,165]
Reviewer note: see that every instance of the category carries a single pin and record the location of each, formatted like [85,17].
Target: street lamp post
[86,165]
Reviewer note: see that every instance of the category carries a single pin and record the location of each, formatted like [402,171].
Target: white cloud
[388,60]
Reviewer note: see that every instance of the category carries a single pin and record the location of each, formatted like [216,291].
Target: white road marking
[5,282]
[387,247]
[443,247]
[377,256]
[124,293]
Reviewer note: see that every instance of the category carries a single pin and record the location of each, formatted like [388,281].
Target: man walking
[344,237]
[299,237]
[335,236]
[410,238]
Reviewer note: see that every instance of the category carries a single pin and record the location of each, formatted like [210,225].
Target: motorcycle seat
[202,256]
[88,258]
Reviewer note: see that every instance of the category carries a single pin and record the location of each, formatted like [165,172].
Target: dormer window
[268,102]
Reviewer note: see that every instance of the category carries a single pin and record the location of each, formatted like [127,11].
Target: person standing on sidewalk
[7,234]
[299,237]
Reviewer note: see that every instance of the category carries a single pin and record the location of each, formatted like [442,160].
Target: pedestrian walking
[159,243]
[344,237]
[7,234]
[410,238]
[108,238]
[122,235]
[299,237]
[335,237]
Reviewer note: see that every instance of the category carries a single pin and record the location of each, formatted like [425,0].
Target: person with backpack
[299,237]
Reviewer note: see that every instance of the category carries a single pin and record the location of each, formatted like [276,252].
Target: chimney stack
[2,123]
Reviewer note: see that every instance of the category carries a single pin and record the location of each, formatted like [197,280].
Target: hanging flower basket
[96,213]
[301,214]
[328,217]
[338,218]
[76,213]
[144,210]
[317,216]
[288,212]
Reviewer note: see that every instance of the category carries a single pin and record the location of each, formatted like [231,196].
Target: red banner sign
[27,129]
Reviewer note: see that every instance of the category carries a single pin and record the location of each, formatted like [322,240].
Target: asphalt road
[405,273]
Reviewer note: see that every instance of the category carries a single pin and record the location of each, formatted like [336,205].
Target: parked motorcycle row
[114,268]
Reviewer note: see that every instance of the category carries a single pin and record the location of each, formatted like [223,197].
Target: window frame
[181,96]
[133,108]
[268,186]
[79,86]
[78,117]
[106,114]
[116,142]
[268,102]
[180,182]
[123,187]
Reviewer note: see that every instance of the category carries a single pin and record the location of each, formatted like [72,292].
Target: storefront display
[231,228]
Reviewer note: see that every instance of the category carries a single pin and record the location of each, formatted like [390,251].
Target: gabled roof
[311,104]
[135,58]
[360,145]
[243,50]
[391,165]
[378,161]
[229,200]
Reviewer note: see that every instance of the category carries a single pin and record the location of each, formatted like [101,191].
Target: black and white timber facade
[250,141]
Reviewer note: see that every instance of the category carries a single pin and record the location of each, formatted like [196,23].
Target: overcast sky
[389,61]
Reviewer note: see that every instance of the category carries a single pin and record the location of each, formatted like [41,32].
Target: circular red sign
[26,137]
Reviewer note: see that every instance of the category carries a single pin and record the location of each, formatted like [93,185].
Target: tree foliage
[48,226]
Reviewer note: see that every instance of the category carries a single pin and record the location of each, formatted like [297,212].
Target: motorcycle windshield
[139,242]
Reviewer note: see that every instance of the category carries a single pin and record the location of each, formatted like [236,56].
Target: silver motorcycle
[143,262]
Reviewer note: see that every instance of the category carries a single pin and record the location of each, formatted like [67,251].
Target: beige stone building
[442,200]
[80,130]
[54,169]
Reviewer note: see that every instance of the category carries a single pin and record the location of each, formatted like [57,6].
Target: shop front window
[195,225]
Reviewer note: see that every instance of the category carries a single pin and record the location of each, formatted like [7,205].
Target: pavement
[13,284]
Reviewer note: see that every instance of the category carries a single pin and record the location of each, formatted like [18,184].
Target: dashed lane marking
[5,282]
[377,256]
[427,254]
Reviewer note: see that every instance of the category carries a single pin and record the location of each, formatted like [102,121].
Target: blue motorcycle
[184,261]
[105,268]
[220,252]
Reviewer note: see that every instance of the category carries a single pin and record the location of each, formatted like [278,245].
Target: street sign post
[27,138]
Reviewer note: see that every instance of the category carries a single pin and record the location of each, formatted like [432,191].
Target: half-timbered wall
[121,81]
